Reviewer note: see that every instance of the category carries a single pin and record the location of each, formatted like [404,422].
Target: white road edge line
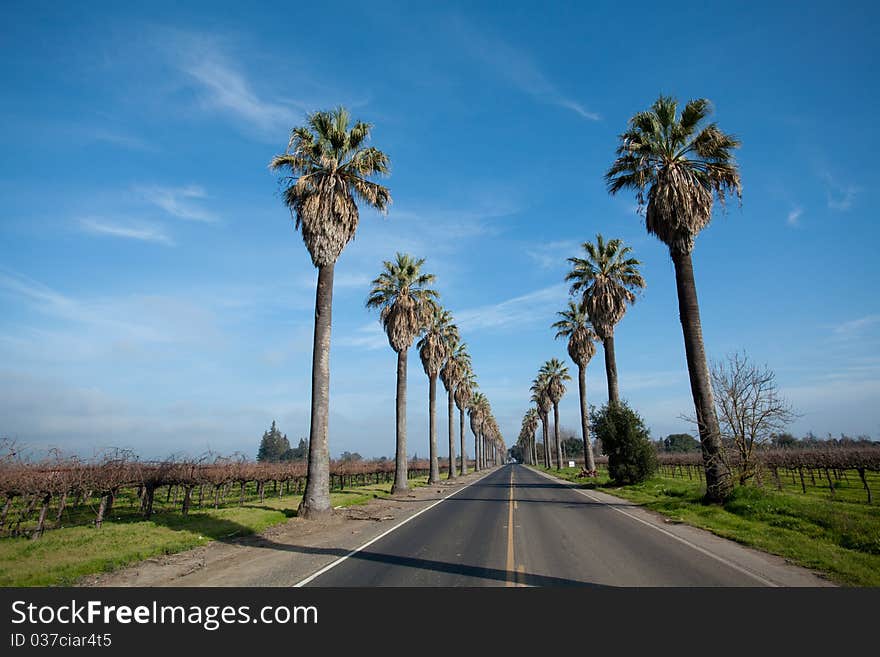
[694,546]
[382,535]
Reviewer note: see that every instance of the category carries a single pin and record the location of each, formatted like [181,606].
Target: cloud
[514,65]
[369,336]
[840,197]
[132,231]
[855,326]
[553,254]
[222,86]
[117,138]
[129,322]
[180,202]
[794,217]
[521,310]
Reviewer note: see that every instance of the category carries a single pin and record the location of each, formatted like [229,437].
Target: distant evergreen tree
[681,442]
[273,446]
[298,453]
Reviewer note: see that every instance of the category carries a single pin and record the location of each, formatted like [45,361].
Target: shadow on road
[479,572]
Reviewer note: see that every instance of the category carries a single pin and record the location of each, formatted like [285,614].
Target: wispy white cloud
[521,310]
[223,86]
[856,326]
[130,321]
[517,67]
[553,254]
[368,336]
[133,231]
[794,217]
[840,197]
[118,138]
[180,202]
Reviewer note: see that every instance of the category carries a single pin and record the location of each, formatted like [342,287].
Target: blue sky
[154,295]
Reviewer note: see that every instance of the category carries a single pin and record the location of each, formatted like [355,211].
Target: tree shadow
[466,570]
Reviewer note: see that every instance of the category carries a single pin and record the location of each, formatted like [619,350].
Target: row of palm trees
[606,280]
[678,166]
[409,308]
[326,170]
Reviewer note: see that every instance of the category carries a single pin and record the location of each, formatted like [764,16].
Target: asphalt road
[517,527]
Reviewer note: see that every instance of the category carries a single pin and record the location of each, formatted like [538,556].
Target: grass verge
[64,555]
[838,536]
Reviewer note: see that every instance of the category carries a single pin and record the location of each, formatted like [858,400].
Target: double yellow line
[511,568]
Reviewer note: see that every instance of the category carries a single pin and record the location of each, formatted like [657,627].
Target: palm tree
[490,435]
[606,277]
[463,394]
[541,398]
[575,325]
[556,374]
[328,166]
[434,348]
[477,410]
[531,420]
[525,439]
[456,365]
[685,165]
[407,303]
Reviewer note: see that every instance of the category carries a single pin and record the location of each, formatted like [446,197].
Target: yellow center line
[511,573]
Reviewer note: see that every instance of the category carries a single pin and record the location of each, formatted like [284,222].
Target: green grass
[62,556]
[839,535]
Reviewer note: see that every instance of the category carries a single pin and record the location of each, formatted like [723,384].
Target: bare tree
[750,408]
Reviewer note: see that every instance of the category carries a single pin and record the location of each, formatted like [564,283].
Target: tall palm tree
[328,165]
[477,410]
[531,420]
[434,347]
[407,303]
[606,278]
[464,392]
[490,435]
[556,374]
[456,366]
[541,399]
[685,165]
[575,325]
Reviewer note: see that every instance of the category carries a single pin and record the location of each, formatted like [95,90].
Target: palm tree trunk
[451,415]
[400,466]
[556,436]
[718,480]
[434,477]
[464,464]
[476,450]
[316,497]
[545,434]
[611,370]
[534,447]
[589,461]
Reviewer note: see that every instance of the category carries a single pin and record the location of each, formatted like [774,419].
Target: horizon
[155,296]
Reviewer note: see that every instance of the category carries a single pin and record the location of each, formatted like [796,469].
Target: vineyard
[58,492]
[823,467]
